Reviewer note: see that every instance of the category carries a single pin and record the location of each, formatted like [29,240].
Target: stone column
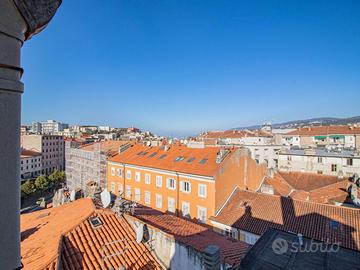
[19,20]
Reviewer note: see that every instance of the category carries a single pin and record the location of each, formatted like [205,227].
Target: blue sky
[180,67]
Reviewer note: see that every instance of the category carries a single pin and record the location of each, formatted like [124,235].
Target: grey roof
[281,250]
[321,152]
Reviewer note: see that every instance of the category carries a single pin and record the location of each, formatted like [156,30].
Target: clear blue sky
[177,67]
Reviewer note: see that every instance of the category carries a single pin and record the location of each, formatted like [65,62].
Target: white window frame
[147,178]
[205,191]
[113,171]
[112,187]
[158,181]
[128,174]
[119,172]
[182,208]
[137,176]
[137,196]
[158,201]
[200,216]
[171,180]
[120,189]
[128,191]
[182,186]
[171,204]
[147,197]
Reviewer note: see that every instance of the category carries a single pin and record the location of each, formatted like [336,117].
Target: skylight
[179,159]
[203,161]
[162,156]
[190,160]
[140,153]
[95,222]
[153,154]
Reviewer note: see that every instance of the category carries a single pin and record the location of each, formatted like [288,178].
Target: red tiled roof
[109,147]
[193,234]
[65,232]
[309,187]
[255,212]
[230,134]
[308,181]
[326,130]
[133,156]
[29,153]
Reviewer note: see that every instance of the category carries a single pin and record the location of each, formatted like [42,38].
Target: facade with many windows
[181,180]
[30,164]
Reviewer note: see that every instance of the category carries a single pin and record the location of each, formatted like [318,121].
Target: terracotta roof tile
[326,130]
[66,231]
[29,153]
[255,212]
[193,234]
[157,157]
[111,147]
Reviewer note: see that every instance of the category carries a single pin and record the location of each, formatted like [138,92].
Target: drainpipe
[19,21]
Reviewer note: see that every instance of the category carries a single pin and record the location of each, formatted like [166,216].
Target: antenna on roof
[105,198]
[139,233]
[72,195]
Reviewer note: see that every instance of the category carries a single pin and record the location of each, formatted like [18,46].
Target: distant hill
[324,121]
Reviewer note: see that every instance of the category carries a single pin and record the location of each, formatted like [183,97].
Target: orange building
[192,182]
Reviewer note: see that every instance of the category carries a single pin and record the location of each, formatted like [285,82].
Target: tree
[28,187]
[41,182]
[57,177]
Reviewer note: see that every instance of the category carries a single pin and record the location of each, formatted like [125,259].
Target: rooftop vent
[211,258]
[95,222]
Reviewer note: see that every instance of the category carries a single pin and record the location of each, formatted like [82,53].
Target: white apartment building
[30,164]
[53,127]
[51,147]
[317,136]
[36,128]
[268,154]
[338,162]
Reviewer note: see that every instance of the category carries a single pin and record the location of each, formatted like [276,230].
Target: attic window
[179,159]
[95,222]
[203,161]
[190,160]
[162,156]
[153,154]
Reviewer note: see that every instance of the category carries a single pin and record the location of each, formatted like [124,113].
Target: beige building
[344,136]
[339,162]
[30,164]
[51,147]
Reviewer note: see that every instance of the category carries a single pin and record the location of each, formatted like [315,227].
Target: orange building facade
[189,182]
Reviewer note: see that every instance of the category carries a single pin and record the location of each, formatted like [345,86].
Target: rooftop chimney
[211,258]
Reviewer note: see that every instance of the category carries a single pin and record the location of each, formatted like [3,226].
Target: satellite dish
[139,233]
[72,195]
[105,198]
